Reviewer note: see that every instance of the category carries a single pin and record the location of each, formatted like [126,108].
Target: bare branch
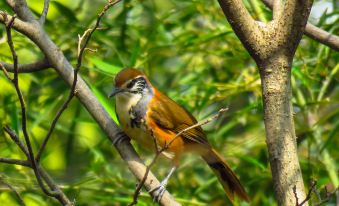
[16,139]
[23,108]
[59,195]
[5,72]
[308,196]
[25,28]
[194,126]
[322,36]
[88,33]
[291,24]
[21,202]
[148,168]
[21,9]
[15,161]
[277,8]
[53,124]
[316,33]
[44,13]
[328,197]
[28,68]
[242,23]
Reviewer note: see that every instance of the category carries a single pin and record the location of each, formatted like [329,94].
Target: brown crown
[125,75]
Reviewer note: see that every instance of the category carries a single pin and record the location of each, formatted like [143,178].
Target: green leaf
[135,54]
[106,103]
[65,11]
[253,161]
[104,67]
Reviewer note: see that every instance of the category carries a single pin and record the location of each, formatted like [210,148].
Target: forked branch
[27,149]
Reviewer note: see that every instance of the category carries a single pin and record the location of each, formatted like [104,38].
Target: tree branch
[16,139]
[277,8]
[86,97]
[291,24]
[15,82]
[275,46]
[21,9]
[28,151]
[242,23]
[308,196]
[322,36]
[44,13]
[28,68]
[23,27]
[21,202]
[316,33]
[59,195]
[24,163]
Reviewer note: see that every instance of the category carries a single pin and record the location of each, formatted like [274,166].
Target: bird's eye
[139,80]
[131,84]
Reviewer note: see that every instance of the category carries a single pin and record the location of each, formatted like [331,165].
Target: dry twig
[44,12]
[28,151]
[21,201]
[28,68]
[15,82]
[308,196]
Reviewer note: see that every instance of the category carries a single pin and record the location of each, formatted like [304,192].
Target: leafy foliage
[190,53]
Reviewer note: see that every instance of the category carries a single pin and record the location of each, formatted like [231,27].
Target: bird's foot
[159,191]
[121,136]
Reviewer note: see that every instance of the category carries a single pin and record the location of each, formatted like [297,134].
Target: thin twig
[3,68]
[21,201]
[295,195]
[27,68]
[328,197]
[44,13]
[15,161]
[60,196]
[148,168]
[165,147]
[82,44]
[15,82]
[194,126]
[16,139]
[308,196]
[53,124]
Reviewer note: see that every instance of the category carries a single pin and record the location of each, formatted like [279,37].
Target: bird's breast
[131,113]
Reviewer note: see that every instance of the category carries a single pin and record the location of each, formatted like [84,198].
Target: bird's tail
[226,176]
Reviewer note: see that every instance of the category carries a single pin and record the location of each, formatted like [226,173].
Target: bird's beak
[116,91]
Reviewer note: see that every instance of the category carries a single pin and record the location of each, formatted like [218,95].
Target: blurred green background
[190,53]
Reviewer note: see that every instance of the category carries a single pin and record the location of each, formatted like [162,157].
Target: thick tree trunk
[280,134]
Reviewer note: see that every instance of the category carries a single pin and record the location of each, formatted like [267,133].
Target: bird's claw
[121,136]
[159,191]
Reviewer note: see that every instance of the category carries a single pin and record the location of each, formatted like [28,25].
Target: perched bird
[145,113]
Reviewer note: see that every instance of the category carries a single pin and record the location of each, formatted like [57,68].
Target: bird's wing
[168,115]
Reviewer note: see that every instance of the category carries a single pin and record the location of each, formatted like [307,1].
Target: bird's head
[130,83]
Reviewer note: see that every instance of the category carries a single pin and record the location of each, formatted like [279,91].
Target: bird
[145,114]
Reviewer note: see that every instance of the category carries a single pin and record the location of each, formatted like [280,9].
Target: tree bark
[279,125]
[272,45]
